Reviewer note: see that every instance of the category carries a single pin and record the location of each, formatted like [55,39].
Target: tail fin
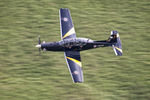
[115,39]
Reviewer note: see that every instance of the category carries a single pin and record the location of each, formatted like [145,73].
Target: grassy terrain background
[26,76]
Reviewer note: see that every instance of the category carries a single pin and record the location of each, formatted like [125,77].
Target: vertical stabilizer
[117,47]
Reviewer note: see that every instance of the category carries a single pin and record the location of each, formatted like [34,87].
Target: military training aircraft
[71,45]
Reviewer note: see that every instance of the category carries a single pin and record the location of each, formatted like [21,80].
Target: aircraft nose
[38,46]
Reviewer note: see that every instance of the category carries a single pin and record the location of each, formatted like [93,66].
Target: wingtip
[78,82]
[81,81]
[64,9]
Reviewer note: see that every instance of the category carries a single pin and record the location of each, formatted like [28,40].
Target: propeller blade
[39,51]
[39,40]
[39,45]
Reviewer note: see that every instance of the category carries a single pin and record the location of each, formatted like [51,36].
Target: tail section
[115,39]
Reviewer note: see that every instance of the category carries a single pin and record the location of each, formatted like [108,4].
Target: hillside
[24,75]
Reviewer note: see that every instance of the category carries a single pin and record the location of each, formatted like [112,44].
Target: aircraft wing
[66,25]
[73,60]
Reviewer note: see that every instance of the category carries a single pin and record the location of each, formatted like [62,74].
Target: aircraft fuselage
[77,44]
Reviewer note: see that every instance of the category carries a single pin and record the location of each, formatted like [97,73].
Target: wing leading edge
[73,60]
[66,25]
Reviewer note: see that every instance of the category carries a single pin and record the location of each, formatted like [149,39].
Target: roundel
[75,72]
[65,19]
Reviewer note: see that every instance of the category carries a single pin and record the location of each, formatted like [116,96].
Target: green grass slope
[26,76]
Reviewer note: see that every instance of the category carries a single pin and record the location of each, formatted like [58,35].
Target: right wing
[66,25]
[73,60]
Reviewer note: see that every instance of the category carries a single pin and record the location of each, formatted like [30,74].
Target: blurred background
[24,75]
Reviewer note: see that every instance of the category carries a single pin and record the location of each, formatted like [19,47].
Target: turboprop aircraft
[71,45]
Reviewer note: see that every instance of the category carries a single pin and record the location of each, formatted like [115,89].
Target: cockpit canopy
[75,42]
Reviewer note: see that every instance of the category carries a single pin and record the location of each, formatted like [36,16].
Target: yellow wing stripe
[119,49]
[70,32]
[74,60]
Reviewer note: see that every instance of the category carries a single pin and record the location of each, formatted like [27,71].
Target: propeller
[39,45]
[39,39]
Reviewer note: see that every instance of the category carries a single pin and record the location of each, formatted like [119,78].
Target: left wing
[73,60]
[66,25]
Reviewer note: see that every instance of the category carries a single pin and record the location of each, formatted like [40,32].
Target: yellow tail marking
[70,32]
[74,60]
[119,49]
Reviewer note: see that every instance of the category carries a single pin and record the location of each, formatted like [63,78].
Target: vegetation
[24,75]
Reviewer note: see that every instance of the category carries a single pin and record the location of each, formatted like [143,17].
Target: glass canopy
[74,42]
